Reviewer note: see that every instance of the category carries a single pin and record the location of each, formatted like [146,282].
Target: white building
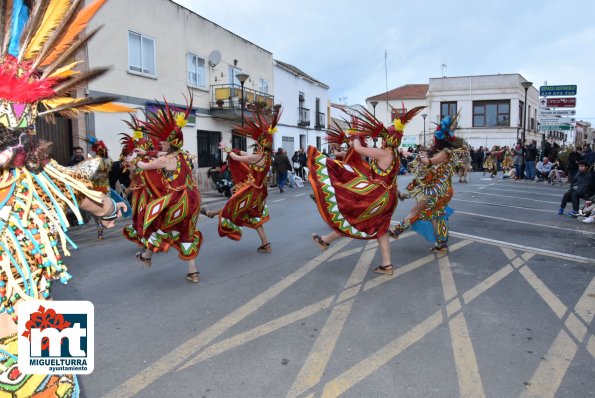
[304,101]
[491,108]
[158,49]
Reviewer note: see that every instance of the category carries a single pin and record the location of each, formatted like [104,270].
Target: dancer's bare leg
[266,245]
[415,210]
[384,245]
[329,238]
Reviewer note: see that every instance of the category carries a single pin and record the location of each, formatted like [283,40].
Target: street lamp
[242,77]
[374,103]
[424,115]
[526,86]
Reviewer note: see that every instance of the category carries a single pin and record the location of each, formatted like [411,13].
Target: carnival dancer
[507,162]
[36,48]
[490,165]
[464,165]
[247,206]
[357,199]
[432,187]
[172,207]
[100,178]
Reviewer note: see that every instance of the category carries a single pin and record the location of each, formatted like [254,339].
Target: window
[448,109]
[238,142]
[208,148]
[196,70]
[521,110]
[141,53]
[491,113]
[264,86]
[231,73]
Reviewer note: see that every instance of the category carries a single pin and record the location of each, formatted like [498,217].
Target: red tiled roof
[408,91]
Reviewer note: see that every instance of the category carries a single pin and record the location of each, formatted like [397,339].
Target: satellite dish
[214,58]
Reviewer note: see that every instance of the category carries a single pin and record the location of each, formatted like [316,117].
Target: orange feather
[80,23]
[51,19]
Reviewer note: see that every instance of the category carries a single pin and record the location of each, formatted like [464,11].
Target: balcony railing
[226,101]
[320,119]
[304,117]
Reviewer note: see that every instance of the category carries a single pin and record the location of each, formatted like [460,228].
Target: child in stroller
[221,178]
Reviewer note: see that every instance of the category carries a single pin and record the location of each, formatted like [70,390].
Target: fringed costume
[432,187]
[357,199]
[490,165]
[508,161]
[38,41]
[247,206]
[168,205]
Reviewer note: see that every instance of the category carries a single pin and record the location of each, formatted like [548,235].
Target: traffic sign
[557,90]
[557,102]
[560,112]
[557,120]
[554,127]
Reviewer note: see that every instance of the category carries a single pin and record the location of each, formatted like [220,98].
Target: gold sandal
[384,269]
[146,261]
[193,277]
[320,242]
[266,248]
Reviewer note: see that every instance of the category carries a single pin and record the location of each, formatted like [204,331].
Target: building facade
[490,108]
[304,101]
[168,52]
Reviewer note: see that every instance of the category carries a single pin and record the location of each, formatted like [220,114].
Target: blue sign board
[547,91]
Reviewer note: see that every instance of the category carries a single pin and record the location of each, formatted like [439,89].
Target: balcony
[320,119]
[226,101]
[304,117]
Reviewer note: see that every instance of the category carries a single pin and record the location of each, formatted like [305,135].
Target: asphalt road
[507,313]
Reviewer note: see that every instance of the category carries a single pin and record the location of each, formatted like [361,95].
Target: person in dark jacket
[581,186]
[282,166]
[572,163]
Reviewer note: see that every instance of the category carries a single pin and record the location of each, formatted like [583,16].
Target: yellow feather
[111,107]
[66,70]
[58,101]
[51,19]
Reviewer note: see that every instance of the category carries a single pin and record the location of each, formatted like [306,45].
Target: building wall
[176,32]
[466,89]
[415,128]
[287,89]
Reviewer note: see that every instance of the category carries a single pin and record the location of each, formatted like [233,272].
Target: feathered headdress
[97,146]
[166,123]
[395,131]
[36,49]
[136,140]
[446,129]
[260,128]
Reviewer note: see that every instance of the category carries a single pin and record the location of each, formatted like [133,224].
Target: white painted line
[298,195]
[501,205]
[526,222]
[278,200]
[535,250]
[525,191]
[514,197]
[533,187]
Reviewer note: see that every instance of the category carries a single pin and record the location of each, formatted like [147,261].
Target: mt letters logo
[56,337]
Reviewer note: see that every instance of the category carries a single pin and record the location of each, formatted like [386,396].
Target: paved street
[507,313]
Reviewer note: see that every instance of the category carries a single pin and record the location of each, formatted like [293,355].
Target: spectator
[572,163]
[580,187]
[543,169]
[588,155]
[557,173]
[530,156]
[282,166]
[588,211]
[480,157]
[518,161]
[77,157]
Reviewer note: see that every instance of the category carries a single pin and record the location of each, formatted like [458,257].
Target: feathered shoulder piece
[362,123]
[446,129]
[336,135]
[97,146]
[37,41]
[166,123]
[260,128]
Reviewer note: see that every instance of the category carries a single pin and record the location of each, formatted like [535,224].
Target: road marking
[531,188]
[258,331]
[591,346]
[470,384]
[300,194]
[277,200]
[363,369]
[173,359]
[526,222]
[550,372]
[491,281]
[503,205]
[546,294]
[514,197]
[576,327]
[558,195]
[529,249]
[320,353]
[346,253]
[585,307]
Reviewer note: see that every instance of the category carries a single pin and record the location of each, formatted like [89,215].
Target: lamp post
[526,86]
[424,115]
[374,103]
[242,77]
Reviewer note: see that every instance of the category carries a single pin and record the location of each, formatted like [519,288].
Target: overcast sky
[343,43]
